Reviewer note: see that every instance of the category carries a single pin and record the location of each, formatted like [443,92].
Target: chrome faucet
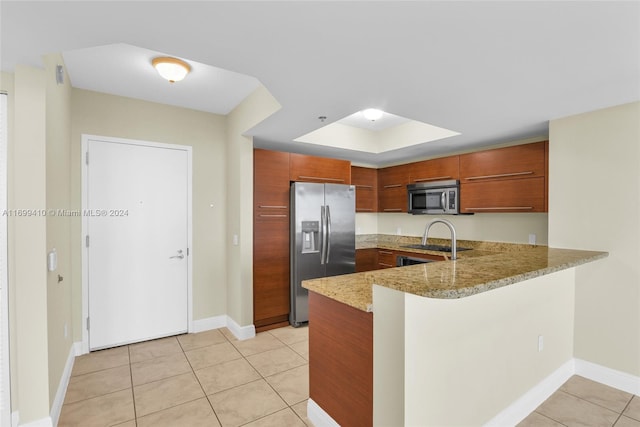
[453,235]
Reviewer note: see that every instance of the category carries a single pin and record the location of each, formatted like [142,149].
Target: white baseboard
[56,407]
[241,332]
[318,416]
[209,323]
[607,376]
[526,404]
[43,422]
[217,322]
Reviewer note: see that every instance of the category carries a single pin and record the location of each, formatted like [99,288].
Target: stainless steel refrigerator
[323,238]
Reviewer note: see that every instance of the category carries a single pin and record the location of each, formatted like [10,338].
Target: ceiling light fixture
[372,114]
[172,69]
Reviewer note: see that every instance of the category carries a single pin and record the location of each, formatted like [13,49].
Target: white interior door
[137,228]
[5,386]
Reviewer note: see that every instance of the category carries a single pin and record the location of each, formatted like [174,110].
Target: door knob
[179,256]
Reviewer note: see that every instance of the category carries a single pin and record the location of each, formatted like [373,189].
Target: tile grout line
[549,418]
[597,404]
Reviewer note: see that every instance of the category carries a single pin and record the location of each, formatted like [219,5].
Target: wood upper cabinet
[441,169]
[319,169]
[392,188]
[270,239]
[517,162]
[511,179]
[271,185]
[366,183]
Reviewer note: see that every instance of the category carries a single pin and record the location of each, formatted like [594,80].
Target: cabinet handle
[500,208]
[320,178]
[273,207]
[393,186]
[385,252]
[273,216]
[501,175]
[385,265]
[435,178]
[392,210]
[362,209]
[364,186]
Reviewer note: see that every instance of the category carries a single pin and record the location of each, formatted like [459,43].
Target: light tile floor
[204,379]
[582,402]
[212,379]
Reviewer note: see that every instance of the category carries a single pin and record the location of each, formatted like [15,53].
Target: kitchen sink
[438,248]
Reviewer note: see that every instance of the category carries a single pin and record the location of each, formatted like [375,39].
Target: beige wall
[114,116]
[468,359]
[594,203]
[255,108]
[58,173]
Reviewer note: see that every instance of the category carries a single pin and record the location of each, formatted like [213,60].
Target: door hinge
[88,323]
[86,241]
[86,158]
[187,251]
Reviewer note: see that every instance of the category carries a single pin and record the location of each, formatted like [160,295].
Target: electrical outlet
[532,239]
[540,343]
[235,239]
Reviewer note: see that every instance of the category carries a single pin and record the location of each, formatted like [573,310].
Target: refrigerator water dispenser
[310,231]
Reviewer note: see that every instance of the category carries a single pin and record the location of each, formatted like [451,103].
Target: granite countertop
[475,271]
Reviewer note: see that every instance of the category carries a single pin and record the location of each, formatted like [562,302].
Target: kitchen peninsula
[443,343]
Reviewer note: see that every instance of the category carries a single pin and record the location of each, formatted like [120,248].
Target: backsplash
[495,227]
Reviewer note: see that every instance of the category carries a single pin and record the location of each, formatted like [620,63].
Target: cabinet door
[271,274]
[386,259]
[420,255]
[270,183]
[270,239]
[511,195]
[366,183]
[518,162]
[366,260]
[442,169]
[392,188]
[319,169]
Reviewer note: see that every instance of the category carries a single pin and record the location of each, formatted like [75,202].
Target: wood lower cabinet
[271,239]
[341,360]
[366,182]
[366,260]
[386,259]
[319,169]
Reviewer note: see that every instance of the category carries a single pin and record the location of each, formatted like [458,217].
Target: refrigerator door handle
[323,234]
[328,250]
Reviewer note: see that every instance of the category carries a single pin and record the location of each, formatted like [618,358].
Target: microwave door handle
[443,200]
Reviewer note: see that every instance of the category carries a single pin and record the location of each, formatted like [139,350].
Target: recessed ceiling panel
[390,132]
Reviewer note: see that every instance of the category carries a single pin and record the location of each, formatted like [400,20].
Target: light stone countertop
[475,271]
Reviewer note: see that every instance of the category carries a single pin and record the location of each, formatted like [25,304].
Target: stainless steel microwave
[436,197]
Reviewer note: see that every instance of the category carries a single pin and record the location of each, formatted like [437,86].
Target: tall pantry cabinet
[271,239]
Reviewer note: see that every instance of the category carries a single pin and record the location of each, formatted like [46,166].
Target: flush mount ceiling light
[172,69]
[372,114]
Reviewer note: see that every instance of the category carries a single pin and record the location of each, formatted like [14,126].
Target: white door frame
[85,263]
[5,366]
